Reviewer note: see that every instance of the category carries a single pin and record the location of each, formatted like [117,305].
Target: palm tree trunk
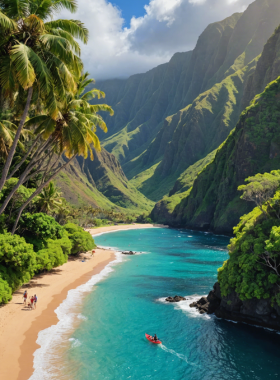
[16,139]
[37,192]
[23,178]
[24,157]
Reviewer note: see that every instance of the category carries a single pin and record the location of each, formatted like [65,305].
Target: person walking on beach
[31,303]
[35,301]
[25,297]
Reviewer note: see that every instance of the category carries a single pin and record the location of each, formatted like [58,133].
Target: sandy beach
[135,226]
[19,327]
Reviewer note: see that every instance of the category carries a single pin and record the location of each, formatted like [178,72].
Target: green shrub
[5,291]
[98,222]
[17,260]
[81,240]
[38,228]
[51,257]
[257,238]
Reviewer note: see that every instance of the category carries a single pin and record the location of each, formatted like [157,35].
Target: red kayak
[151,339]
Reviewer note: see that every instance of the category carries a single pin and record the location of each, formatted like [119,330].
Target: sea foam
[184,306]
[57,335]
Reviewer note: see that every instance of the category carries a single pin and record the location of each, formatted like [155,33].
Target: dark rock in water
[258,312]
[128,253]
[175,299]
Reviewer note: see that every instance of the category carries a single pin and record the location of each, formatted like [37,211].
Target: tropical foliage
[47,119]
[81,240]
[253,269]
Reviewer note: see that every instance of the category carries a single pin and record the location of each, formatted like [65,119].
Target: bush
[144,219]
[17,260]
[257,239]
[98,222]
[81,240]
[51,257]
[38,228]
[5,291]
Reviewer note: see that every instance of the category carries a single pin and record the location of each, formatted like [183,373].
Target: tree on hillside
[260,188]
[39,59]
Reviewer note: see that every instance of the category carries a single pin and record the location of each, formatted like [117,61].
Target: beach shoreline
[19,327]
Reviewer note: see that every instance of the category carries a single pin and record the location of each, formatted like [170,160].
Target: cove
[110,341]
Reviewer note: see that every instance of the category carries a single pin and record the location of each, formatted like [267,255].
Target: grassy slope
[80,192]
[111,191]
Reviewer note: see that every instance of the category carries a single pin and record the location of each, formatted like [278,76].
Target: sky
[132,36]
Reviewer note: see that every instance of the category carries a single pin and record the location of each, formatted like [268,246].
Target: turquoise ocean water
[110,341]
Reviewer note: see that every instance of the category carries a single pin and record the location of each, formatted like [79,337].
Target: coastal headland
[19,327]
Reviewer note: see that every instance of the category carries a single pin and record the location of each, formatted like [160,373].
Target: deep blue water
[126,305]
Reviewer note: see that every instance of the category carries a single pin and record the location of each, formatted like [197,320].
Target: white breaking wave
[56,335]
[75,342]
[184,306]
[82,317]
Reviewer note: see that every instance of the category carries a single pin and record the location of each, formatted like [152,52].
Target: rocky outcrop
[255,311]
[129,253]
[175,299]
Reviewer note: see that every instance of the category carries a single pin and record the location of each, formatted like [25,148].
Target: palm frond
[70,5]
[101,107]
[93,94]
[23,68]
[75,27]
[41,123]
[61,48]
[6,23]
[7,75]
[41,8]
[73,43]
[35,121]
[52,106]
[41,70]
[15,9]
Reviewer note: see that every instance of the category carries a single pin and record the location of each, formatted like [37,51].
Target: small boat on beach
[151,339]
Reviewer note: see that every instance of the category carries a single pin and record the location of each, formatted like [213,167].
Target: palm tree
[39,59]
[7,133]
[73,134]
[50,199]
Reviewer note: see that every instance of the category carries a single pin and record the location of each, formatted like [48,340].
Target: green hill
[101,183]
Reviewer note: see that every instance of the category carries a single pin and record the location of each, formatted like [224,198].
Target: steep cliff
[253,147]
[101,183]
[163,210]
[268,68]
[248,283]
[194,132]
[143,101]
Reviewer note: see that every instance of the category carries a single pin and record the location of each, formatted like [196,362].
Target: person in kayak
[155,337]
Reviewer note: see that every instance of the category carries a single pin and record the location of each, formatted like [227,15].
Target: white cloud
[166,27]
[162,10]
